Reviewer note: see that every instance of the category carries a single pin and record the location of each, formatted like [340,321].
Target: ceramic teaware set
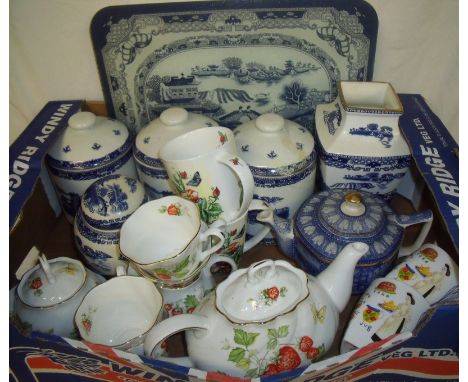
[192,195]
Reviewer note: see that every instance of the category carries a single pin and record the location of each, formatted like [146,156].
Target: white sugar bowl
[282,158]
[105,206]
[171,123]
[89,148]
[49,294]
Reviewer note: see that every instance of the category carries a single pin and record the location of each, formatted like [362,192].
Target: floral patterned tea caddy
[88,149]
[265,319]
[105,206]
[282,158]
[48,295]
[171,123]
[359,140]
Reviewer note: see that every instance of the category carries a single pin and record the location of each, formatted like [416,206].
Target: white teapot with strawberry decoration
[265,319]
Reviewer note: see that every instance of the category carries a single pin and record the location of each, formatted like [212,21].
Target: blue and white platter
[231,60]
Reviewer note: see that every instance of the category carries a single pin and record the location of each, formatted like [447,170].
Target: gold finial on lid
[353,197]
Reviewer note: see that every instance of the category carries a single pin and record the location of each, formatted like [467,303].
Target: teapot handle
[404,221]
[170,326]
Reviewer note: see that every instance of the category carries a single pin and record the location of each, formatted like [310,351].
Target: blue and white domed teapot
[331,219]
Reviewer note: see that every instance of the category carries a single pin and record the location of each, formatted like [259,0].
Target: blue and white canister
[88,149]
[171,123]
[282,158]
[105,206]
[359,140]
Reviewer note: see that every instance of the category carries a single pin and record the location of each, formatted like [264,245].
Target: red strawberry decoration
[288,358]
[36,283]
[173,210]
[273,293]
[306,344]
[168,307]
[271,369]
[176,311]
[313,353]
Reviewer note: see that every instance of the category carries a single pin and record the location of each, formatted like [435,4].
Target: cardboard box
[431,352]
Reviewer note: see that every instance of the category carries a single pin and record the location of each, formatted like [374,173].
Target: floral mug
[204,167]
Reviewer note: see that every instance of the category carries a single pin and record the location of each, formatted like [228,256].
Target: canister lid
[271,141]
[171,123]
[89,142]
[109,201]
[51,282]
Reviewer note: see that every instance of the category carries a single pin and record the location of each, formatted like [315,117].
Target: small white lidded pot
[105,206]
[49,294]
[282,158]
[171,123]
[88,149]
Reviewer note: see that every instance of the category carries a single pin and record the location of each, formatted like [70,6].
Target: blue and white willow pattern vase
[89,148]
[105,206]
[171,123]
[282,158]
[359,141]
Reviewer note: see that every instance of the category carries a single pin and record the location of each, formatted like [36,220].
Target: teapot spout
[337,279]
[282,228]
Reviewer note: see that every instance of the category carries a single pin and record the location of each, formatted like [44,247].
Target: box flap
[435,153]
[28,151]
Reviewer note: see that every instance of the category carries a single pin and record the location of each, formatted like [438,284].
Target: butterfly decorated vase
[269,318]
[88,149]
[359,140]
[282,158]
[330,220]
[105,206]
[48,295]
[171,123]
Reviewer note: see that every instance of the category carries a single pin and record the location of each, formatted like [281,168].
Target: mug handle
[257,205]
[242,170]
[206,236]
[408,220]
[207,278]
[170,326]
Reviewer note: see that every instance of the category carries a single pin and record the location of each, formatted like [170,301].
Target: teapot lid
[109,201]
[89,142]
[330,219]
[171,123]
[51,282]
[273,142]
[262,292]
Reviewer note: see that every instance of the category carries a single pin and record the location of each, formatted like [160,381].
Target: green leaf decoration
[190,301]
[242,337]
[272,333]
[244,364]
[283,331]
[251,373]
[236,355]
[182,265]
[272,343]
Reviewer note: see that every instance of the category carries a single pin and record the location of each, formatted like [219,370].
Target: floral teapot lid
[261,292]
[51,282]
[89,142]
[109,201]
[171,123]
[275,143]
[330,219]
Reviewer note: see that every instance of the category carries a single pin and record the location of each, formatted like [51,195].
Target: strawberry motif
[306,344]
[271,369]
[36,283]
[176,311]
[235,161]
[222,137]
[173,210]
[86,325]
[273,293]
[288,358]
[183,174]
[313,353]
[191,195]
[168,307]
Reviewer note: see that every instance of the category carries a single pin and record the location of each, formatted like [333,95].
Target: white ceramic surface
[430,270]
[119,313]
[282,158]
[204,167]
[48,295]
[266,319]
[359,140]
[386,308]
[171,123]
[88,149]
[164,238]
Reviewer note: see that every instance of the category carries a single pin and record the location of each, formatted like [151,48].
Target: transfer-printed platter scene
[231,61]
